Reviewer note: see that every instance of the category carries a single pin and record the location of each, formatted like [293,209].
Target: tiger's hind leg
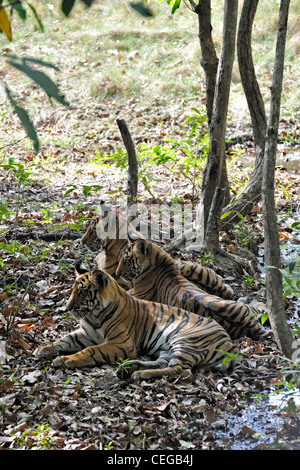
[205,278]
[174,371]
[128,368]
[171,366]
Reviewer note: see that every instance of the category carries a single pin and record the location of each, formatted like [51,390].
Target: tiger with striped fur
[115,325]
[112,245]
[156,278]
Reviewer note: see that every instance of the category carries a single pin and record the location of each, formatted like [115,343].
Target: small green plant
[291,278]
[248,281]
[205,259]
[86,189]
[40,437]
[286,192]
[264,318]
[108,446]
[123,364]
[19,175]
[228,357]
[132,424]
[64,385]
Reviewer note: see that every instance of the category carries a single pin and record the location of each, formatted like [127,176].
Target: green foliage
[178,153]
[42,80]
[39,77]
[108,446]
[248,281]
[123,364]
[291,278]
[67,5]
[228,357]
[141,9]
[25,120]
[86,189]
[20,175]
[39,437]
[206,259]
[175,4]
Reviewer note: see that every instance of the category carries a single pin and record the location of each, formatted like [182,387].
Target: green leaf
[291,265]
[87,189]
[141,9]
[225,215]
[31,59]
[19,9]
[176,6]
[25,120]
[67,6]
[42,80]
[88,3]
[69,190]
[4,211]
[39,21]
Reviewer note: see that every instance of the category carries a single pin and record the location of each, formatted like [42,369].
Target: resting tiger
[156,278]
[112,246]
[114,325]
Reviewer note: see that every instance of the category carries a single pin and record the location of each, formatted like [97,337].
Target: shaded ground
[83,409]
[39,242]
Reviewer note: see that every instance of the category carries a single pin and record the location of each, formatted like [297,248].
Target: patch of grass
[109,54]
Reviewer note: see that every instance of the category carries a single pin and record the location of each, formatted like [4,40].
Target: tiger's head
[136,259]
[91,293]
[107,231]
[90,238]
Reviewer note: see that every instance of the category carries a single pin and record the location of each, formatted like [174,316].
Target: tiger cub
[112,246]
[156,278]
[114,325]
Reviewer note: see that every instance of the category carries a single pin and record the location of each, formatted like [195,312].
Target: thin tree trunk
[278,322]
[209,60]
[213,223]
[251,193]
[212,175]
[132,181]
[209,63]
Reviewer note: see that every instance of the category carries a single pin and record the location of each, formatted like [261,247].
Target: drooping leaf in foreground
[42,80]
[19,9]
[141,9]
[66,6]
[24,60]
[25,120]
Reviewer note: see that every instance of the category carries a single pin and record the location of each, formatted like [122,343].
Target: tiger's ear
[79,269]
[100,278]
[142,247]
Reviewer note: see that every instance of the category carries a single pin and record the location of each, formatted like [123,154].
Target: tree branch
[132,182]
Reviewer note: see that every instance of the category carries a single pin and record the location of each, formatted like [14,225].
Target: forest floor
[47,200]
[91,409]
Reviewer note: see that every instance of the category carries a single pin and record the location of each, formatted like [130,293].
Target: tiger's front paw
[65,361]
[45,351]
[79,359]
